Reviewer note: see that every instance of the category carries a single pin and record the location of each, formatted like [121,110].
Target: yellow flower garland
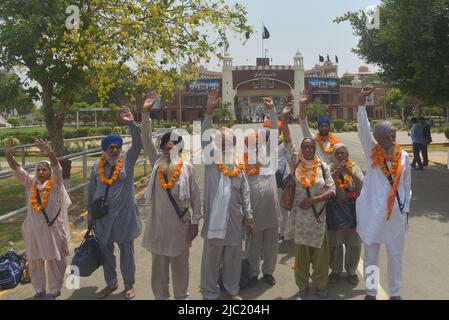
[304,181]
[333,141]
[345,183]
[168,185]
[44,199]
[250,171]
[116,173]
[226,171]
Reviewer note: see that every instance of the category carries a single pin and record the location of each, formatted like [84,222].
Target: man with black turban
[171,227]
[121,225]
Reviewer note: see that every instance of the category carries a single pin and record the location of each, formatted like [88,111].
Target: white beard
[111,160]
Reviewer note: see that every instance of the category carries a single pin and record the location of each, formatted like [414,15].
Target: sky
[306,25]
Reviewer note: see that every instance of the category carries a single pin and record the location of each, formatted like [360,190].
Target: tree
[224,113]
[13,97]
[14,121]
[411,46]
[315,110]
[150,39]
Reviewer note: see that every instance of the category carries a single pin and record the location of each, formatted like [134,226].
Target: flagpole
[262,42]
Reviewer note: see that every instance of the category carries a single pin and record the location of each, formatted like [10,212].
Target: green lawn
[12,196]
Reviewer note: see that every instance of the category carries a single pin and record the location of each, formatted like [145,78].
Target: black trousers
[425,155]
[417,147]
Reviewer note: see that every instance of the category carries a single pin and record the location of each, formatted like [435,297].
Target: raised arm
[303,101]
[45,149]
[212,102]
[285,129]
[148,145]
[133,153]
[273,118]
[363,125]
[13,164]
[22,176]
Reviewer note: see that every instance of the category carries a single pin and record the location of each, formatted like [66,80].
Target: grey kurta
[166,234]
[307,133]
[122,224]
[264,197]
[308,230]
[239,204]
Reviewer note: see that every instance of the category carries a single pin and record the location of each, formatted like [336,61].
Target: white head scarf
[64,199]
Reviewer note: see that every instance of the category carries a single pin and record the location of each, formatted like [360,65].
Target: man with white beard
[115,171]
[170,228]
[227,209]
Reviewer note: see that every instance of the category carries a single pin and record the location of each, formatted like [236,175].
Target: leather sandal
[110,288]
[129,293]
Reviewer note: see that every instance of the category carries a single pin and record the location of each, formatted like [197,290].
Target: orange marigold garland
[116,173]
[332,140]
[250,171]
[168,185]
[226,171]
[345,183]
[379,157]
[44,199]
[307,183]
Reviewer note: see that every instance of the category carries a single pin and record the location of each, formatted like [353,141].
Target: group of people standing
[241,207]
[421,138]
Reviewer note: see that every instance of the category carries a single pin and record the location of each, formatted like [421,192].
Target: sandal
[39,296]
[333,277]
[353,279]
[110,288]
[129,293]
[53,296]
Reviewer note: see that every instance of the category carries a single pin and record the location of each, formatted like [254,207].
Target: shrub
[73,147]
[446,132]
[14,121]
[339,124]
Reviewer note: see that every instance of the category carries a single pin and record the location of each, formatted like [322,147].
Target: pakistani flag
[266,33]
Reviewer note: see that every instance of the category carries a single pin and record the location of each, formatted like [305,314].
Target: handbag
[100,205]
[340,214]
[88,256]
[11,270]
[288,185]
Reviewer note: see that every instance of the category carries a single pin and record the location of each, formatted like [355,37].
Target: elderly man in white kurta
[264,202]
[226,209]
[169,230]
[45,229]
[384,202]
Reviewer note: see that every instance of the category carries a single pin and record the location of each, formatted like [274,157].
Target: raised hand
[365,92]
[287,110]
[43,146]
[212,101]
[149,101]
[268,103]
[8,145]
[304,99]
[126,115]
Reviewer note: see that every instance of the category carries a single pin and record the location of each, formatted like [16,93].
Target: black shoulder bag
[49,223]
[100,205]
[315,213]
[340,214]
[180,212]
[400,204]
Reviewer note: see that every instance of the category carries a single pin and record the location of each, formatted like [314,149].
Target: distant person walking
[417,140]
[427,139]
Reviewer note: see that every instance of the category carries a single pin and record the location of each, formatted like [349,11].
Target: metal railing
[75,156]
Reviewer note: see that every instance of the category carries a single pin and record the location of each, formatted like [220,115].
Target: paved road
[426,255]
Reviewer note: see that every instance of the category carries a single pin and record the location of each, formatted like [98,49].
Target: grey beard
[111,160]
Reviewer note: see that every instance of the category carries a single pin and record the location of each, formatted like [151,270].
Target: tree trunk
[54,121]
